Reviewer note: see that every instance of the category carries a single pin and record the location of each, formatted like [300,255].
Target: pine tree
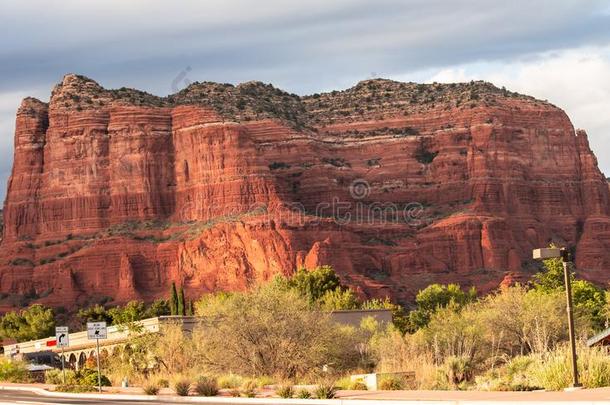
[181,307]
[189,308]
[173,300]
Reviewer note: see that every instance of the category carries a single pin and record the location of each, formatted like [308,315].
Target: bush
[303,394]
[284,391]
[458,369]
[88,377]
[206,387]
[163,383]
[182,388]
[248,388]
[13,371]
[75,388]
[55,377]
[391,383]
[325,391]
[553,371]
[358,386]
[264,319]
[151,389]
[230,381]
[264,380]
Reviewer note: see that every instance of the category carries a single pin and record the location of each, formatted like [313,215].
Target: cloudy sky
[553,49]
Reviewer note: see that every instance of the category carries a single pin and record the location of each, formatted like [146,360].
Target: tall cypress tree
[181,307]
[173,300]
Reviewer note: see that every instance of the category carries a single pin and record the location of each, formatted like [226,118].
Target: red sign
[51,342]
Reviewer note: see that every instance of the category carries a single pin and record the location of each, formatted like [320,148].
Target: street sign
[96,330]
[61,336]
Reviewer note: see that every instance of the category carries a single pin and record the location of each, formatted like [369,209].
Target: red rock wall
[121,200]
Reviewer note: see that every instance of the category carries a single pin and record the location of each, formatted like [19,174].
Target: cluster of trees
[38,321]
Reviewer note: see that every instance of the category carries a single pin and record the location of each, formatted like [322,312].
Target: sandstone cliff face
[117,193]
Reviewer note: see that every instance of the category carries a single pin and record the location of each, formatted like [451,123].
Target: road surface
[25,398]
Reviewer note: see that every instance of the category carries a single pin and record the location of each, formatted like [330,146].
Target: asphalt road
[24,398]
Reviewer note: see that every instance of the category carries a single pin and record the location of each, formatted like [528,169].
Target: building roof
[599,338]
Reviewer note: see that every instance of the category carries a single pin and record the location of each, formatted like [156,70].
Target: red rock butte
[114,194]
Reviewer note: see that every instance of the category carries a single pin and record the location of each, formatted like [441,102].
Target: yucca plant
[182,388]
[285,391]
[206,386]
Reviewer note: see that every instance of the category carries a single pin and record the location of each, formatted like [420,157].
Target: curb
[283,401]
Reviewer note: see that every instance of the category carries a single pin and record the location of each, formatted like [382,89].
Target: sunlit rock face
[116,193]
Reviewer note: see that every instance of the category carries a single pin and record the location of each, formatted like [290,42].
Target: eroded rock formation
[117,193]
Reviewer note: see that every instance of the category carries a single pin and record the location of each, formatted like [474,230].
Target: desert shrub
[284,391]
[248,388]
[515,375]
[163,382]
[519,321]
[55,377]
[235,392]
[182,388]
[264,380]
[553,370]
[358,386]
[75,388]
[151,389]
[265,319]
[325,390]
[458,369]
[13,371]
[303,394]
[396,352]
[391,383]
[206,386]
[230,381]
[452,332]
[88,377]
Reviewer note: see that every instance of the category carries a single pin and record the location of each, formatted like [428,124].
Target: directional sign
[96,330]
[61,336]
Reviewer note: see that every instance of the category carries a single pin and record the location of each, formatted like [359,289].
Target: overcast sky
[552,49]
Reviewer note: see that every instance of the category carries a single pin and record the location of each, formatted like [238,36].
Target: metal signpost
[564,254]
[97,331]
[62,339]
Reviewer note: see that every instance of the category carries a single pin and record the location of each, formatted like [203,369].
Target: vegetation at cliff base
[512,339]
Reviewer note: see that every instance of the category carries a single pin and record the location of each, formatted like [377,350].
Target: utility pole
[566,259]
[564,254]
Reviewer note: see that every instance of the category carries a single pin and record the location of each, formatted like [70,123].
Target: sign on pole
[61,336]
[97,331]
[62,339]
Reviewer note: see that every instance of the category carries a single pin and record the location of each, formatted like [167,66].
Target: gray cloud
[302,47]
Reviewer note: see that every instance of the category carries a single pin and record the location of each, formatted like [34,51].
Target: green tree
[312,284]
[272,332]
[95,313]
[157,308]
[435,297]
[589,300]
[35,322]
[400,318]
[133,311]
[551,278]
[339,299]
[181,308]
[173,300]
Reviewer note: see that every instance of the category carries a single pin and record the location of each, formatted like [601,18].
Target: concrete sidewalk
[583,397]
[601,395]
